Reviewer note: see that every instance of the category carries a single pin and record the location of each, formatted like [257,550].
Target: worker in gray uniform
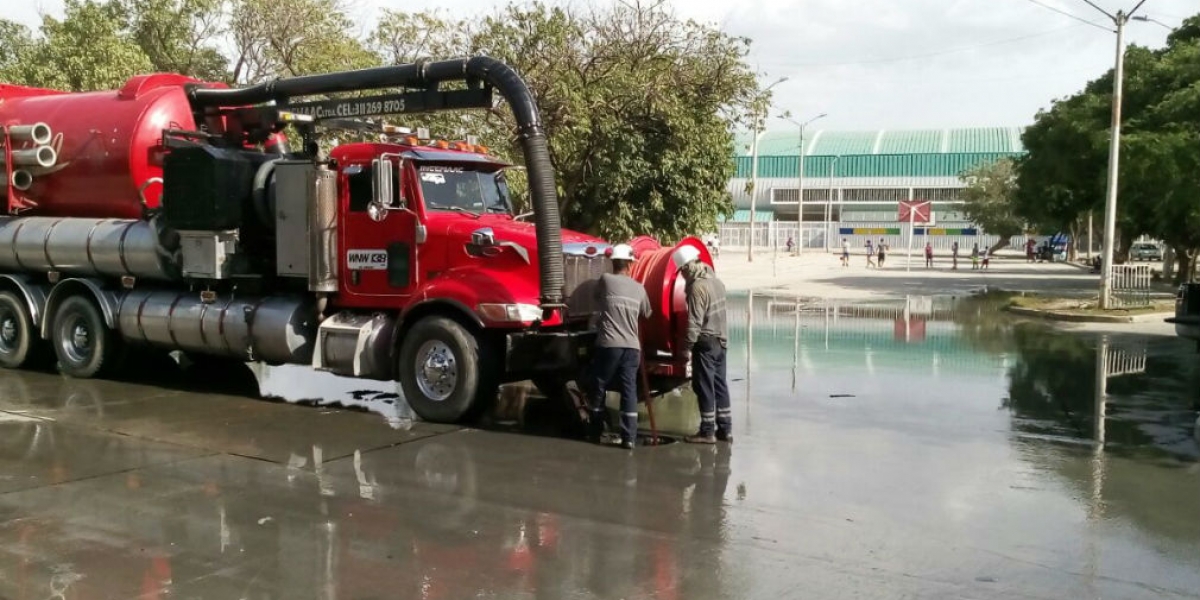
[708,338]
[618,353]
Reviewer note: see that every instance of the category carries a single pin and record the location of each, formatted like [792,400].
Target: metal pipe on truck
[41,156]
[38,133]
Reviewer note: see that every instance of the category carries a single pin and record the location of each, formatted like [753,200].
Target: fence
[1131,284]
[772,234]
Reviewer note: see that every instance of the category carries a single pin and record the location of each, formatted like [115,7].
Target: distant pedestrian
[1030,250]
[883,248]
[987,256]
[708,338]
[975,257]
[618,352]
[870,254]
[928,255]
[954,254]
[790,243]
[845,252]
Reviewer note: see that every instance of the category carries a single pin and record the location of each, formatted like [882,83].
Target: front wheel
[84,345]
[440,371]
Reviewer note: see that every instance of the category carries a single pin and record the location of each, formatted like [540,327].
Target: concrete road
[968,458]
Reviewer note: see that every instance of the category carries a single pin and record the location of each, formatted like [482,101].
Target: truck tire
[19,341]
[440,371]
[84,345]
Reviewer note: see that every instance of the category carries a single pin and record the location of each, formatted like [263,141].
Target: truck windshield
[463,188]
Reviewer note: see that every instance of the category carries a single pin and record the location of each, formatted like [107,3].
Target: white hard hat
[622,252]
[684,255]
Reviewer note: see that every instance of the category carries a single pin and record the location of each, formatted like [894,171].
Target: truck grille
[582,273]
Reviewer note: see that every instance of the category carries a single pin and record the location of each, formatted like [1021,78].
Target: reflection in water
[1150,409]
[1113,415]
[1097,426]
[435,524]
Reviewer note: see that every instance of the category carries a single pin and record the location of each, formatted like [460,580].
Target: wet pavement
[932,448]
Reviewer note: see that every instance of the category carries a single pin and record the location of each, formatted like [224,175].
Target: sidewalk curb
[1070,318]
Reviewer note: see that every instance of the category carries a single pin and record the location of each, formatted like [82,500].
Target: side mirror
[381,170]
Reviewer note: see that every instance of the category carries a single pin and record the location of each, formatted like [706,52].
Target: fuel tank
[108,144]
[273,329]
[92,247]
[664,335]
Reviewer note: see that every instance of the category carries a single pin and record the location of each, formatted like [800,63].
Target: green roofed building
[854,181]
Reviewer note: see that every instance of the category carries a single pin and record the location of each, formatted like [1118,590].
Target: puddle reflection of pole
[826,325]
[907,318]
[749,348]
[1098,460]
[796,347]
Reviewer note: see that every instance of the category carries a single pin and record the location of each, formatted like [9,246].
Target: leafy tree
[988,199]
[90,48]
[17,47]
[180,36]
[1064,173]
[304,37]
[638,105]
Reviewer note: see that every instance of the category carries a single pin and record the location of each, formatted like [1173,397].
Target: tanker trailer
[169,214]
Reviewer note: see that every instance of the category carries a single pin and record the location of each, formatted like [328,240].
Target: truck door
[379,240]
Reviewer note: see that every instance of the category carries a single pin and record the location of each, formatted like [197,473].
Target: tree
[639,106]
[988,199]
[89,49]
[1064,173]
[304,37]
[17,48]
[179,36]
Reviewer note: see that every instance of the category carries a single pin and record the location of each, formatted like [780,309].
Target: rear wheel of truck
[440,371]
[84,345]
[19,341]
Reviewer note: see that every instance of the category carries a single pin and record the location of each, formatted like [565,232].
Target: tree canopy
[1064,174]
[988,198]
[639,105]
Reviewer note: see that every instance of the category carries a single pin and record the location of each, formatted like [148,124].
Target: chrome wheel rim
[436,370]
[10,336]
[77,343]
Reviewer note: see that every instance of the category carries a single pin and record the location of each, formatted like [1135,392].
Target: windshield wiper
[463,210]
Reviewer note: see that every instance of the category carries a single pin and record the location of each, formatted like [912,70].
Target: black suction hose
[424,74]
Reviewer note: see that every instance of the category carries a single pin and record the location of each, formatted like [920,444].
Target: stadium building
[853,184]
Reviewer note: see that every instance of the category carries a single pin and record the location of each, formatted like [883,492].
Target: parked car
[1145,251]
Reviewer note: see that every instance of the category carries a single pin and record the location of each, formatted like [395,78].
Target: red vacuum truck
[173,214]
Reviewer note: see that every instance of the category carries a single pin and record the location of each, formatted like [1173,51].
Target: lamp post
[1114,155]
[829,202]
[1146,19]
[800,182]
[758,132]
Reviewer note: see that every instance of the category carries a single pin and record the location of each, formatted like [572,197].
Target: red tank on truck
[173,214]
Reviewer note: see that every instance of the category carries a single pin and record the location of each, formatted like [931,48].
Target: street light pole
[1114,156]
[753,189]
[800,184]
[829,202]
[758,132]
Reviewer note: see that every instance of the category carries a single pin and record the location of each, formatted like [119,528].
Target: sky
[889,64]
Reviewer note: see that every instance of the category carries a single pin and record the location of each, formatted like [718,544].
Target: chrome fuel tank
[79,246]
[274,329]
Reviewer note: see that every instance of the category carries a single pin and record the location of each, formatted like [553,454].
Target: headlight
[515,313]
